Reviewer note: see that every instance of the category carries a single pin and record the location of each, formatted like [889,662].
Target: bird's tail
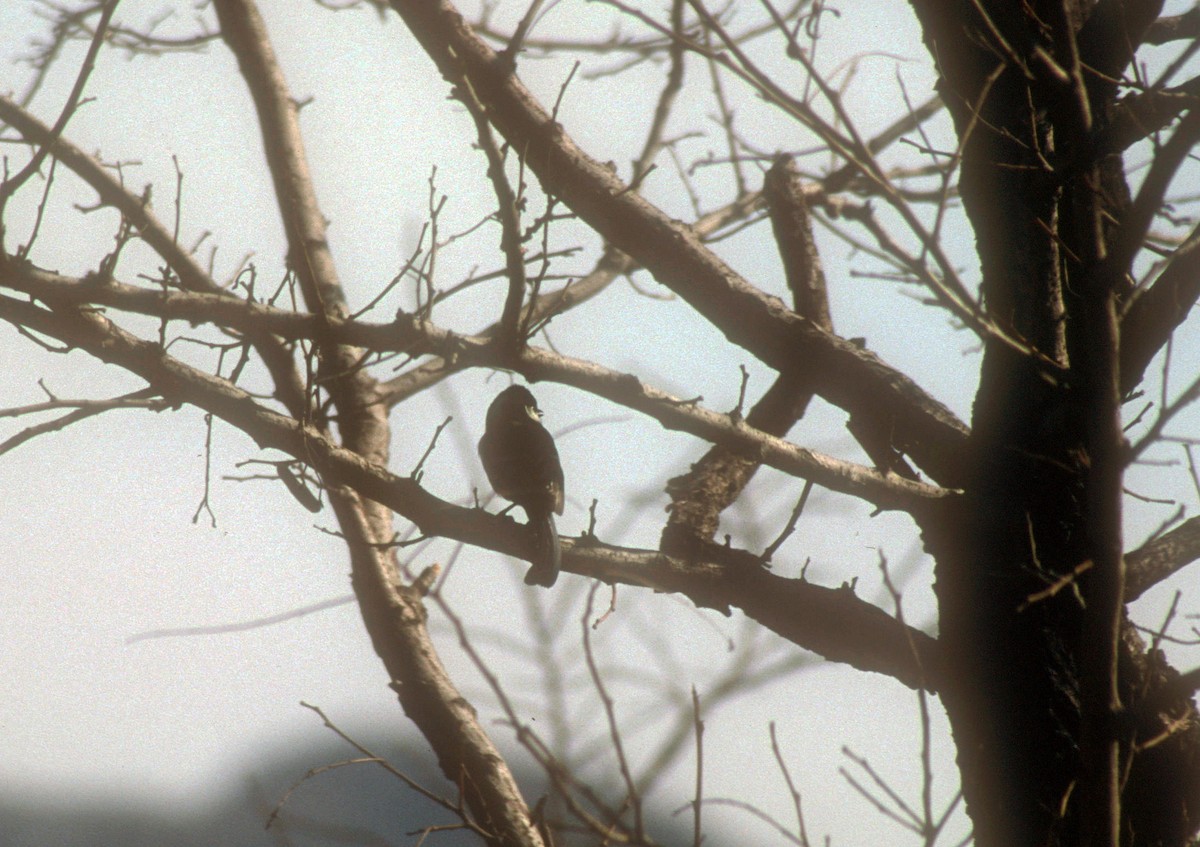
[548,552]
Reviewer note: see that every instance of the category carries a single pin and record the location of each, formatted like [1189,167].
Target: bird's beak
[534,412]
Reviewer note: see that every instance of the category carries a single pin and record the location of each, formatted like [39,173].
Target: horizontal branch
[832,622]
[409,334]
[80,410]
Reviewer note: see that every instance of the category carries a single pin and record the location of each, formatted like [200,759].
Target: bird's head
[513,405]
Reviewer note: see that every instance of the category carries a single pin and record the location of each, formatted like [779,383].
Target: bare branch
[84,409]
[509,333]
[1175,27]
[1160,558]
[832,622]
[244,31]
[842,373]
[1158,311]
[288,386]
[633,797]
[887,491]
[1136,221]
[9,187]
[719,477]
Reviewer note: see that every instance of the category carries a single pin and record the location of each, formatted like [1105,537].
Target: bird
[521,463]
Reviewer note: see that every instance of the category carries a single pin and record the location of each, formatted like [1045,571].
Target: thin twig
[697,836]
[10,186]
[240,626]
[633,796]
[791,786]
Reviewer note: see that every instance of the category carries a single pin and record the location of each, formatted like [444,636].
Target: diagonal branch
[393,614]
[1112,34]
[832,622]
[611,265]
[719,477]
[245,33]
[1175,27]
[1138,116]
[1158,311]
[9,187]
[842,373]
[614,263]
[1156,560]
[288,387]
[1135,224]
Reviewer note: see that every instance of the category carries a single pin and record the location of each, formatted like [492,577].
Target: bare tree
[1069,727]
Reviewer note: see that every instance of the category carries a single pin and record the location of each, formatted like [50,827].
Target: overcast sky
[98,542]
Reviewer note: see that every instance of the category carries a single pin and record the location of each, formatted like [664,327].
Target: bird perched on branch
[521,463]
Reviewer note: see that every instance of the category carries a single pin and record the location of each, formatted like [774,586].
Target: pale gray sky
[98,543]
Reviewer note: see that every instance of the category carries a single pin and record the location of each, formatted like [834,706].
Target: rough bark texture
[718,478]
[393,612]
[1036,729]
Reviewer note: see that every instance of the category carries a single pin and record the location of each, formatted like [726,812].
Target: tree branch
[1158,559]
[813,617]
[1137,219]
[611,265]
[394,615]
[886,491]
[288,387]
[719,477]
[1175,27]
[1138,116]
[245,33]
[1158,311]
[842,373]
[11,186]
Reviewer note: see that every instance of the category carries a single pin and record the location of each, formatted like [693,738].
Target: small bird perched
[521,463]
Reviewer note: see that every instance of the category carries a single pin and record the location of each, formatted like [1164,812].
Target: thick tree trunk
[1029,562]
